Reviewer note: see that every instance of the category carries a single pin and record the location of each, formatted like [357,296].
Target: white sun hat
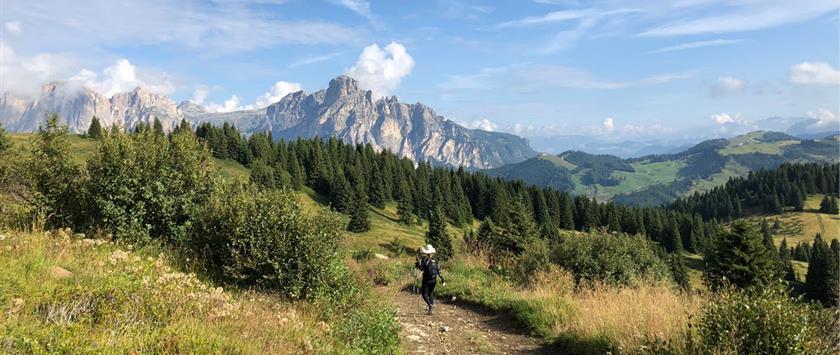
[428,249]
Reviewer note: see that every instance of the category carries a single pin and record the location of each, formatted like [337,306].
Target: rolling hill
[658,179]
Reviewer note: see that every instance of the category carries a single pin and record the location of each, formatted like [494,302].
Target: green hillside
[660,179]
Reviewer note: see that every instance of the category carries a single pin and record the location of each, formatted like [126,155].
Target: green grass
[773,148]
[64,294]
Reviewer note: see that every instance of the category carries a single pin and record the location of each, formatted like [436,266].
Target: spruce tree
[798,200]
[740,258]
[828,205]
[359,216]
[680,272]
[95,129]
[376,194]
[405,206]
[567,213]
[821,280]
[437,236]
[672,239]
[157,127]
[343,194]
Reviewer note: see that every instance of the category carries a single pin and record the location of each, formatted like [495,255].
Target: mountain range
[658,179]
[343,110]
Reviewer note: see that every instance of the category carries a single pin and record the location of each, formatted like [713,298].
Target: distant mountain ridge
[658,179]
[343,110]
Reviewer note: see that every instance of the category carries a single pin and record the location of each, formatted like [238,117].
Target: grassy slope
[67,294]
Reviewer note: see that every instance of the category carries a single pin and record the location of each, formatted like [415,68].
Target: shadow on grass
[694,263]
[380,213]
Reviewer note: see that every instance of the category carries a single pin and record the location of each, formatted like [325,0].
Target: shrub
[146,186]
[614,259]
[755,321]
[362,254]
[263,239]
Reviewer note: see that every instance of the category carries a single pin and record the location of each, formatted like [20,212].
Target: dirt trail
[822,226]
[457,328]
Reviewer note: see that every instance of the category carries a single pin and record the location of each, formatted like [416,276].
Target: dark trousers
[428,292]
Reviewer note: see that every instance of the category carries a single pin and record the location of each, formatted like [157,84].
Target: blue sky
[613,69]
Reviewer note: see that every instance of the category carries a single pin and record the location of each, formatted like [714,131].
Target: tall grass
[60,293]
[586,318]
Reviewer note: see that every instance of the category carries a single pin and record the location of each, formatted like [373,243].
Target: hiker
[431,271]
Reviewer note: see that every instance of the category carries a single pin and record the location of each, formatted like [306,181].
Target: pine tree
[828,205]
[680,272]
[95,129]
[672,240]
[405,204]
[567,213]
[359,216]
[437,236]
[157,127]
[296,171]
[798,200]
[342,193]
[377,189]
[740,258]
[785,260]
[821,280]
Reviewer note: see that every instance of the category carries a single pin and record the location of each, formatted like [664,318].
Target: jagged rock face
[76,107]
[351,114]
[343,110]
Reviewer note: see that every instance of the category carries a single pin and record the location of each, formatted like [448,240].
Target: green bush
[363,254]
[262,238]
[610,258]
[756,321]
[146,185]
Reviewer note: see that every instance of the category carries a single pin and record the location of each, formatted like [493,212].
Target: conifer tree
[377,189]
[343,193]
[405,204]
[95,129]
[567,213]
[740,258]
[437,235]
[828,205]
[359,216]
[785,260]
[821,280]
[157,127]
[296,171]
[798,200]
[680,272]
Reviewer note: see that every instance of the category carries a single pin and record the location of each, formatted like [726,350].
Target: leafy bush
[146,186]
[756,321]
[610,258]
[262,238]
[362,254]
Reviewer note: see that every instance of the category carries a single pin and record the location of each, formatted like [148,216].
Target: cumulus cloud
[277,92]
[13,27]
[230,105]
[727,85]
[814,73]
[724,118]
[24,75]
[382,69]
[122,77]
[482,124]
[824,117]
[609,124]
[200,94]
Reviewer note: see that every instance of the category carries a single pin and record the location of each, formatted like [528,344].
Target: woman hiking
[431,271]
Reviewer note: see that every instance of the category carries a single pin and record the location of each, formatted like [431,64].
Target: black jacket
[431,270]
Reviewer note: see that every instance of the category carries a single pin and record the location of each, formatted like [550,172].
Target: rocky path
[457,328]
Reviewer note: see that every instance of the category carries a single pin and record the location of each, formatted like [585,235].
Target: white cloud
[24,75]
[13,27]
[382,70]
[360,7]
[230,105]
[697,44]
[727,85]
[746,16]
[123,77]
[724,118]
[554,16]
[814,73]
[609,124]
[212,28]
[277,92]
[482,124]
[824,117]
[529,77]
[314,59]
[200,94]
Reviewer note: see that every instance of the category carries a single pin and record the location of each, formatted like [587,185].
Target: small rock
[444,329]
[58,272]
[380,256]
[454,299]
[413,337]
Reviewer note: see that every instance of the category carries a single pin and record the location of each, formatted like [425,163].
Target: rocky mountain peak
[340,87]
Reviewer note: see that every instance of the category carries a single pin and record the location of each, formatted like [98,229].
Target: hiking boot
[429,311]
